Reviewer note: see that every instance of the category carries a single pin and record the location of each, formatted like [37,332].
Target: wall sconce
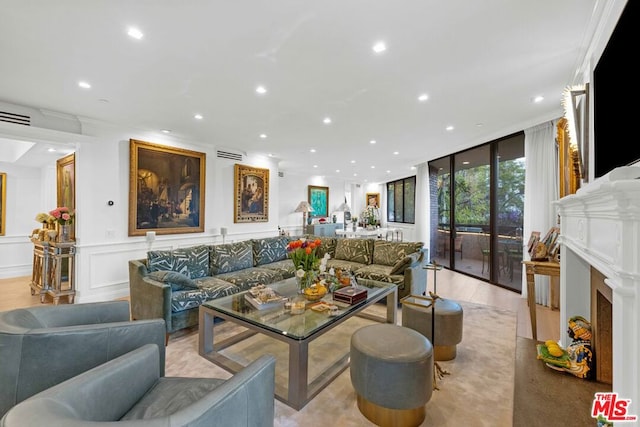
[304,207]
[150,237]
[223,232]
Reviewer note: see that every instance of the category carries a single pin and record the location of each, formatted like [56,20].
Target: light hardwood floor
[451,285]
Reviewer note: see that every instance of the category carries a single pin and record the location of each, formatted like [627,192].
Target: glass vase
[65,233]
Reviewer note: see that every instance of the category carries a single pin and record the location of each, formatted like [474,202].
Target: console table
[48,262]
[547,268]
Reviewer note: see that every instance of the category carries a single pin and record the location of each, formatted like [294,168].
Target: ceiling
[481,64]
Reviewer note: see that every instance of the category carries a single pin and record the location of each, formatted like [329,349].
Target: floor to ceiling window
[480,202]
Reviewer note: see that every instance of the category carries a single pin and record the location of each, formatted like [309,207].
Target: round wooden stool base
[443,353]
[386,417]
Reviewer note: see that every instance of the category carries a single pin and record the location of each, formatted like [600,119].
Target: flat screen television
[615,90]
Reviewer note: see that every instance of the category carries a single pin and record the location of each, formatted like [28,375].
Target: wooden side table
[546,268]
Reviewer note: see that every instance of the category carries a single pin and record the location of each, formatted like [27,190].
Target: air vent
[229,155]
[17,119]
[281,174]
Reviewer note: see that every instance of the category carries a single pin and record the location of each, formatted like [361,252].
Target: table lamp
[304,207]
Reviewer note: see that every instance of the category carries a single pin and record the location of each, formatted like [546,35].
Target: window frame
[397,192]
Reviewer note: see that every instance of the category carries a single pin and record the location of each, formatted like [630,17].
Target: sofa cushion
[230,257]
[271,249]
[245,279]
[177,281]
[388,253]
[327,245]
[356,250]
[193,261]
[344,265]
[284,267]
[381,273]
[192,298]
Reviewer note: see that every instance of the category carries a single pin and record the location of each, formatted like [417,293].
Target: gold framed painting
[66,181]
[251,192]
[373,200]
[3,202]
[319,201]
[166,189]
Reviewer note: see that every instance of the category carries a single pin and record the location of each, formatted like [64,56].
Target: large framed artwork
[319,201]
[66,181]
[3,202]
[166,189]
[251,192]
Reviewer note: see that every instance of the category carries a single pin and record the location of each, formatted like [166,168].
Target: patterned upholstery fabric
[356,250]
[177,281]
[230,257]
[284,267]
[184,300]
[252,276]
[269,250]
[344,265]
[388,253]
[193,261]
[327,245]
[380,273]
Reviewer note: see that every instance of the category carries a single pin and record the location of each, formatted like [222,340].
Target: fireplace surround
[600,230]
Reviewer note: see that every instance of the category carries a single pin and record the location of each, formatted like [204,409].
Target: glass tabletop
[296,326]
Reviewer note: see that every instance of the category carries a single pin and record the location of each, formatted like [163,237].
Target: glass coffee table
[296,330]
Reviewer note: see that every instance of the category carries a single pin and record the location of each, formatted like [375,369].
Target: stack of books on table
[262,303]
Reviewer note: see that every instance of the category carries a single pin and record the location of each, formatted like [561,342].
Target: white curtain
[541,189]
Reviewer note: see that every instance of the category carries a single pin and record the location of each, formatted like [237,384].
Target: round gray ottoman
[392,374]
[448,323]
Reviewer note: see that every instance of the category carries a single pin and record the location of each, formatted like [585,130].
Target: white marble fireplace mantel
[600,228]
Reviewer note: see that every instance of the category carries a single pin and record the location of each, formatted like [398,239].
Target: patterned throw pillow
[160,260]
[402,264]
[271,249]
[192,261]
[177,281]
[355,250]
[388,253]
[231,257]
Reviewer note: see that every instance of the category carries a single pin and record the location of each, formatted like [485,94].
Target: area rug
[477,391]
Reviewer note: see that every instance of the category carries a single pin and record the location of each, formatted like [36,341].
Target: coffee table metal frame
[299,391]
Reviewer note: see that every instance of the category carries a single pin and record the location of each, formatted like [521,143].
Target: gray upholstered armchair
[129,391]
[45,345]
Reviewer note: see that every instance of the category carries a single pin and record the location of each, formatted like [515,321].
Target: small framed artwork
[373,200]
[251,194]
[166,189]
[319,201]
[3,202]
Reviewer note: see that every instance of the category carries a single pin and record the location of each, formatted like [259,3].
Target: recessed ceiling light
[412,168]
[198,117]
[166,131]
[135,33]
[538,99]
[388,171]
[261,90]
[270,155]
[423,97]
[326,120]
[51,150]
[313,150]
[355,174]
[449,128]
[479,125]
[353,161]
[379,47]
[315,166]
[395,153]
[84,85]
[373,141]
[337,170]
[373,167]
[263,135]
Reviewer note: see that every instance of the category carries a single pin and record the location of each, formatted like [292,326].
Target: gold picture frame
[318,198]
[373,199]
[66,185]
[166,189]
[251,192]
[3,202]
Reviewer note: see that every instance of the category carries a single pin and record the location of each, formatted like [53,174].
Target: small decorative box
[350,294]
